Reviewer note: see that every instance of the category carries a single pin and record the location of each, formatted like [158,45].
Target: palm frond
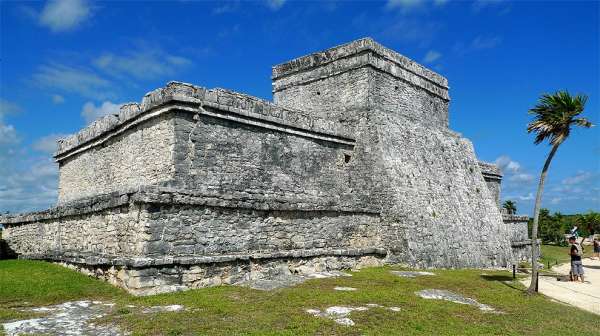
[554,114]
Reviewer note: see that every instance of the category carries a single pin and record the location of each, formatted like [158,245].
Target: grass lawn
[229,310]
[559,254]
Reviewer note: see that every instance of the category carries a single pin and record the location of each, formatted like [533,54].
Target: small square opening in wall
[347,158]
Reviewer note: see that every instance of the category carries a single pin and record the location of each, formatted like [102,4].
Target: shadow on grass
[506,280]
[497,277]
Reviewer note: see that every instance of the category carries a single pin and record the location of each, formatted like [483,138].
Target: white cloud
[8,134]
[7,108]
[403,4]
[431,56]
[527,197]
[47,144]
[578,178]
[91,112]
[58,99]
[513,171]
[26,182]
[485,42]
[410,30]
[410,5]
[521,178]
[506,164]
[71,79]
[226,6]
[275,5]
[30,185]
[477,44]
[479,5]
[64,15]
[147,63]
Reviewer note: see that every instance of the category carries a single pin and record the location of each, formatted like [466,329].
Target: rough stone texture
[493,177]
[142,155]
[521,243]
[440,294]
[69,318]
[353,164]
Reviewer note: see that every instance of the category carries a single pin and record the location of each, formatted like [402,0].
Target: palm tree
[510,206]
[554,115]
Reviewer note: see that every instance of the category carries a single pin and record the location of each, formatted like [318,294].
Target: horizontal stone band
[196,260]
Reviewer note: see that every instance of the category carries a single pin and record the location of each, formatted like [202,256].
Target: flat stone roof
[195,98]
[352,48]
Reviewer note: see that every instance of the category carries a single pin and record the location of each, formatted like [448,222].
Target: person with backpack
[576,252]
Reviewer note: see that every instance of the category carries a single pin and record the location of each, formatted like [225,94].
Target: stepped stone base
[173,277]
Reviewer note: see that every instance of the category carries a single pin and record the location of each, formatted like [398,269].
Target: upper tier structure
[337,82]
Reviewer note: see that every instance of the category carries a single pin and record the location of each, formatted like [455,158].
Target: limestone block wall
[185,230]
[397,96]
[218,154]
[493,178]
[358,75]
[157,223]
[82,231]
[437,194]
[141,155]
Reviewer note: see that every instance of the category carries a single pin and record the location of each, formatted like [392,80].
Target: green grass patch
[229,310]
[555,254]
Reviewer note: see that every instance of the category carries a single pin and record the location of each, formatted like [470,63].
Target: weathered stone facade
[352,165]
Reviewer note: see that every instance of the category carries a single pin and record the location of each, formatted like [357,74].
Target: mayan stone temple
[352,165]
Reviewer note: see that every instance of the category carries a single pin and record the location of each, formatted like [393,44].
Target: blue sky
[64,63]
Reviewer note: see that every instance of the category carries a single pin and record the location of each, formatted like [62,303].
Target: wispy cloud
[27,182]
[501,6]
[8,108]
[226,6]
[8,134]
[406,6]
[91,112]
[32,185]
[147,63]
[481,42]
[431,56]
[513,172]
[578,178]
[410,30]
[64,15]
[57,99]
[477,44]
[275,5]
[73,80]
[47,144]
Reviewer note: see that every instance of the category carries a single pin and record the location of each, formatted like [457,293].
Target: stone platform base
[159,279]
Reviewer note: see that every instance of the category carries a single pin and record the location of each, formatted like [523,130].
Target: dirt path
[583,295]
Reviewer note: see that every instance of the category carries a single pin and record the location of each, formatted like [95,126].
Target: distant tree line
[553,227]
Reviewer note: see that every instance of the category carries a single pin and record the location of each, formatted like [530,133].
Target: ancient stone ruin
[351,165]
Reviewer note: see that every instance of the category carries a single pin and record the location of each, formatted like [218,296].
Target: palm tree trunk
[536,216]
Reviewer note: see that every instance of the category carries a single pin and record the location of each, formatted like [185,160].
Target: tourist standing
[596,248]
[576,252]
